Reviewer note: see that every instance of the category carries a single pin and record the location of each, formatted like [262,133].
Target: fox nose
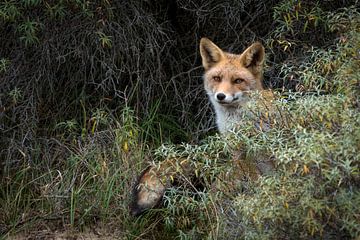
[220,96]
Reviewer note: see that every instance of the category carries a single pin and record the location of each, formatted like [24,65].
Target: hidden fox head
[229,78]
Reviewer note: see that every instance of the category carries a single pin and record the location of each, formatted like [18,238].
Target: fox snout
[226,98]
[220,96]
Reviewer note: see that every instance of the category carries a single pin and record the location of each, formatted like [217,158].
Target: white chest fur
[227,118]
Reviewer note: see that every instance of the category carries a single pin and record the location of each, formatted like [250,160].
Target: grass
[106,96]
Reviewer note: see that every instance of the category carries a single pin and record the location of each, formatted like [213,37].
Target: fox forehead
[229,70]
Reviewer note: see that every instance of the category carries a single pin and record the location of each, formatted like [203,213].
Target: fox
[229,79]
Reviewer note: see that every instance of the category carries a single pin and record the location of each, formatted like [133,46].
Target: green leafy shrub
[71,148]
[317,154]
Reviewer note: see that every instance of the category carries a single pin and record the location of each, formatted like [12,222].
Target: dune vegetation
[92,92]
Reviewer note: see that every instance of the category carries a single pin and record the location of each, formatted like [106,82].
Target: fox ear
[253,57]
[210,53]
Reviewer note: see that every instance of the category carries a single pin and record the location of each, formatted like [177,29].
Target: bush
[71,147]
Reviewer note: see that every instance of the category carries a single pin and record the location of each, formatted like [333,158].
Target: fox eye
[239,80]
[217,79]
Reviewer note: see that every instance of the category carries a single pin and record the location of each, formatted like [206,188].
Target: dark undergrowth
[92,91]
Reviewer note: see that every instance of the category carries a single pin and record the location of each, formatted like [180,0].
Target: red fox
[228,80]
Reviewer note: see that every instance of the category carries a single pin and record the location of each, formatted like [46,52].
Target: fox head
[229,78]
